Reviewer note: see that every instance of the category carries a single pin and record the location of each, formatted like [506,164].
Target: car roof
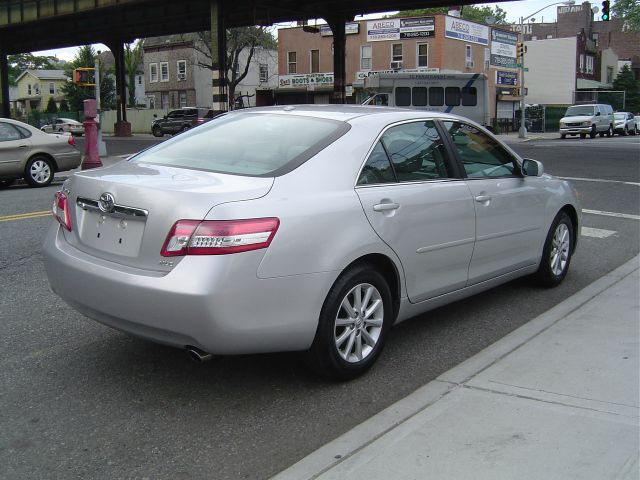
[343,113]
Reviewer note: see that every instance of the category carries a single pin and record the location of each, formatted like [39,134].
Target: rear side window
[377,169]
[403,96]
[250,144]
[8,132]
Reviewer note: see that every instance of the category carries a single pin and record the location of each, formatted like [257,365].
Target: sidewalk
[531,136]
[555,399]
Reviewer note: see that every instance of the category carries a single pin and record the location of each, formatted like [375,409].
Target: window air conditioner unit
[182,76]
[396,65]
[469,64]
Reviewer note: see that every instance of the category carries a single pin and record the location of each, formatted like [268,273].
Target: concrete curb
[350,443]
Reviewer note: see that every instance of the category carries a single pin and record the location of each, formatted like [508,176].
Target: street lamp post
[522,131]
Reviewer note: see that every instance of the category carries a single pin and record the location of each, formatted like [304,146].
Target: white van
[465,94]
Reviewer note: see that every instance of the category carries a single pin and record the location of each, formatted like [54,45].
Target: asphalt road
[79,400]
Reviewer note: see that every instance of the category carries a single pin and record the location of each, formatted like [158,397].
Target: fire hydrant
[91,158]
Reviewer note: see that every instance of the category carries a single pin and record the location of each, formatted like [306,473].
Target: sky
[514,11]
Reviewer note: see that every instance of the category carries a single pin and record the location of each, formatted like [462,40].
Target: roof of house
[44,74]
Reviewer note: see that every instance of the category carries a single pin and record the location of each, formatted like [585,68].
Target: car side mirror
[597,114]
[532,168]
[155,115]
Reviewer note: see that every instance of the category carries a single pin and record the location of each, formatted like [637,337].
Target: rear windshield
[251,144]
[579,110]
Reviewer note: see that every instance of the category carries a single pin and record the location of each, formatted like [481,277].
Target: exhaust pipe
[197,355]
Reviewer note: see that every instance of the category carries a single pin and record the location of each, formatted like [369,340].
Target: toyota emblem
[106,202]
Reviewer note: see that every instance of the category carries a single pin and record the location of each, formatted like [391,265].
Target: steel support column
[337,24]
[122,127]
[218,58]
[5,107]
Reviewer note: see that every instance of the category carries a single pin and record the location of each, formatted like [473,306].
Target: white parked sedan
[61,125]
[309,228]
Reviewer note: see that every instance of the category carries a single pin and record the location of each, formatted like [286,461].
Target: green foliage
[64,106]
[629,11]
[75,94]
[132,59]
[51,106]
[626,81]
[20,62]
[473,13]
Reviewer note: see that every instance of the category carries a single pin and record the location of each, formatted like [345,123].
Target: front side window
[292,62]
[164,71]
[315,61]
[249,144]
[481,156]
[422,55]
[153,72]
[365,57]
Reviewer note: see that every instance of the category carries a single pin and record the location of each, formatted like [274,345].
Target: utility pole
[102,147]
[522,132]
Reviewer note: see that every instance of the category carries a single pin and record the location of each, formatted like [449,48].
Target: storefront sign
[503,48]
[351,28]
[466,31]
[397,28]
[360,76]
[306,80]
[506,78]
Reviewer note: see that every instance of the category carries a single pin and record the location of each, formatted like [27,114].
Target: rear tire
[38,172]
[557,252]
[354,322]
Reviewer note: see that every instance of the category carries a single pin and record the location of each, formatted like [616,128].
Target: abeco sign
[466,31]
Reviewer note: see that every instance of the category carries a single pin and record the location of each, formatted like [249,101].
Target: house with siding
[35,87]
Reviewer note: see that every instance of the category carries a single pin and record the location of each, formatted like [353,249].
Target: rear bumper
[215,303]
[68,160]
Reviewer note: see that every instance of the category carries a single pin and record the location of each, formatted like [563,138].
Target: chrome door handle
[23,146]
[385,207]
[483,198]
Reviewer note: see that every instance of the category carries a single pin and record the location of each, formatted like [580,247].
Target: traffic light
[605,11]
[520,49]
[84,76]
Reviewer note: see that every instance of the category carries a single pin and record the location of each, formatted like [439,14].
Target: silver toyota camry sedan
[305,228]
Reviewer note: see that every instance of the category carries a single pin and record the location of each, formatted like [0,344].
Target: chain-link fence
[38,119]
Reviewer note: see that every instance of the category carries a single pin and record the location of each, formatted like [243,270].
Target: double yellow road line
[25,216]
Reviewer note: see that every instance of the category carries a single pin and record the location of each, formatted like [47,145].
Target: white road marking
[600,180]
[596,232]
[612,214]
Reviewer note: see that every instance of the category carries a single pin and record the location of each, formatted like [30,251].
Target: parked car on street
[586,120]
[312,228]
[61,125]
[625,123]
[26,152]
[180,120]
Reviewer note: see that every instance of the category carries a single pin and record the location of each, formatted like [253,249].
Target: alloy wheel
[559,256]
[40,172]
[358,324]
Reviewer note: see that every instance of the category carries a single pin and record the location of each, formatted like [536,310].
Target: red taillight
[219,237]
[72,141]
[200,120]
[60,209]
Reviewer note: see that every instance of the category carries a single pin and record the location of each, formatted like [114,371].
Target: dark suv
[180,120]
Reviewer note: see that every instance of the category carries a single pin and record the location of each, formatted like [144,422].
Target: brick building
[436,43]
[597,35]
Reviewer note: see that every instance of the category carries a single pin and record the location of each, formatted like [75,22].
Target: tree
[473,13]
[132,59]
[20,62]
[64,106]
[238,40]
[85,57]
[627,82]
[51,106]
[629,12]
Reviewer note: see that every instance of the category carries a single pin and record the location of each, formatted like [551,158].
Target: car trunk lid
[123,213]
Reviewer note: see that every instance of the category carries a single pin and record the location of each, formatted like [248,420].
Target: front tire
[563,136]
[557,252]
[610,131]
[354,322]
[626,131]
[593,131]
[157,131]
[38,172]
